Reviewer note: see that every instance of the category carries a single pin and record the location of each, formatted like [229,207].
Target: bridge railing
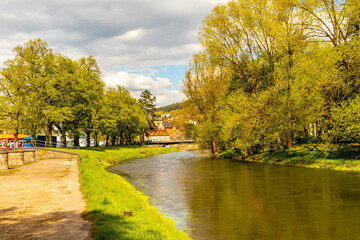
[147,142]
[49,145]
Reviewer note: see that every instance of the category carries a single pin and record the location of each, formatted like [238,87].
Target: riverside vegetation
[276,73]
[108,195]
[336,157]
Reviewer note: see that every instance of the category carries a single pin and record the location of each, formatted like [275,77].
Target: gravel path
[42,201]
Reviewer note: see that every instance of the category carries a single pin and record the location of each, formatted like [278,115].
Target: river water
[227,199]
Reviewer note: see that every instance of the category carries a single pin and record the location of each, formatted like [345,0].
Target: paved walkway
[42,201]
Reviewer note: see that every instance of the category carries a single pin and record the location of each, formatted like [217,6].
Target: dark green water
[227,199]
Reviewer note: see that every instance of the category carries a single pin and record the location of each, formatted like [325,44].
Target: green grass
[107,195]
[337,157]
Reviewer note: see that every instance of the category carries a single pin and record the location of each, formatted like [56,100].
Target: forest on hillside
[169,108]
[274,73]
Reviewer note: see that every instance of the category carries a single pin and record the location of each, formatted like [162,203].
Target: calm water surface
[227,199]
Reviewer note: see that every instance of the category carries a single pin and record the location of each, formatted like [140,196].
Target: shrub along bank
[108,195]
[337,157]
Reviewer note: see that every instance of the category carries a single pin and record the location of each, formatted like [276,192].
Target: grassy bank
[337,157]
[108,196]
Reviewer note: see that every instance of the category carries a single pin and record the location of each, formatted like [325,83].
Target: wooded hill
[169,108]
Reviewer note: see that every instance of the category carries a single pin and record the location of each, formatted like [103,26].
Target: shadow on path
[54,225]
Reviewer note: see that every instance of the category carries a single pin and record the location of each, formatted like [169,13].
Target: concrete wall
[49,153]
[4,160]
[16,158]
[184,147]
[29,155]
[19,157]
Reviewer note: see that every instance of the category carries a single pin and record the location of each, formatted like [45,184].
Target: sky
[139,44]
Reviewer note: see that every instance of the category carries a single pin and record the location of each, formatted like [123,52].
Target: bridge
[169,142]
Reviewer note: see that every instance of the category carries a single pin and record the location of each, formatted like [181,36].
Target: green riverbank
[336,157]
[108,195]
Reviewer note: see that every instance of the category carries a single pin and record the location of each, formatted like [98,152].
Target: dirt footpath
[42,201]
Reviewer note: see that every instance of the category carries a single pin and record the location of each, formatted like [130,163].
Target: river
[227,199]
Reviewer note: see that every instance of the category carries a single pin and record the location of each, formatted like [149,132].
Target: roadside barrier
[27,155]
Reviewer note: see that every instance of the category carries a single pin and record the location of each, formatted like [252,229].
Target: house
[159,135]
[166,131]
[159,124]
[165,116]
[40,141]
[173,130]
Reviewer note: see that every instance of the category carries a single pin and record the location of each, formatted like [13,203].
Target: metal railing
[48,145]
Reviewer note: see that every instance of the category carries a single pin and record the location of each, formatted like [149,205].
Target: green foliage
[121,116]
[108,195]
[189,130]
[169,108]
[40,89]
[148,102]
[205,86]
[346,118]
[337,157]
[24,86]
[293,70]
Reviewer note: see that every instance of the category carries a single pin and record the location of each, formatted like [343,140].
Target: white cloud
[133,35]
[136,83]
[126,34]
[168,97]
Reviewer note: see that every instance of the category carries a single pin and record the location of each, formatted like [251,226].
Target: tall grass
[337,157]
[108,195]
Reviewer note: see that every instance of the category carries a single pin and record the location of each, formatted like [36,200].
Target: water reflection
[226,199]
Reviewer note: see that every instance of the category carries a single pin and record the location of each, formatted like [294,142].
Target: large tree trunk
[48,133]
[63,135]
[121,138]
[289,107]
[96,138]
[142,139]
[215,149]
[76,139]
[63,140]
[16,145]
[33,139]
[113,139]
[107,140]
[88,138]
[17,129]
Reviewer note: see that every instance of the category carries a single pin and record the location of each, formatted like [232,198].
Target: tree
[330,20]
[122,117]
[40,89]
[257,48]
[204,86]
[291,38]
[13,95]
[30,70]
[64,93]
[88,90]
[93,89]
[148,103]
[289,66]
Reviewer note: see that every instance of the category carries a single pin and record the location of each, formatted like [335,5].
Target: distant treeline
[169,108]
[41,89]
[273,73]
